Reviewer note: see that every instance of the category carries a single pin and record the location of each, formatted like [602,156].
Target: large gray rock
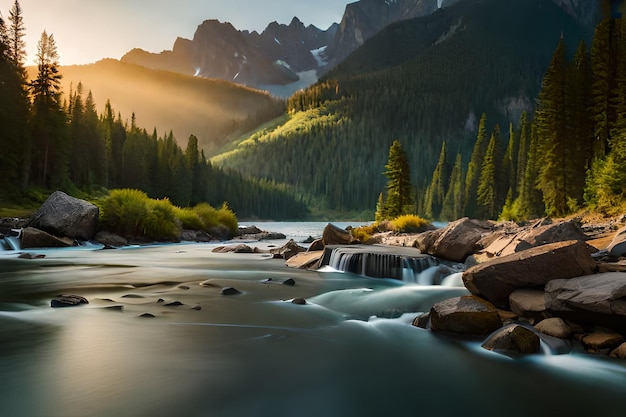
[532,236]
[62,215]
[467,315]
[598,299]
[497,278]
[456,241]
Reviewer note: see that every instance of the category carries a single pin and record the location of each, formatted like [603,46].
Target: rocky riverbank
[561,281]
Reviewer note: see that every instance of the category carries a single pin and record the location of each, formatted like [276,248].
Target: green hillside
[423,82]
[214,111]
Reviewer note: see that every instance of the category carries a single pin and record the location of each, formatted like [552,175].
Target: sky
[89,30]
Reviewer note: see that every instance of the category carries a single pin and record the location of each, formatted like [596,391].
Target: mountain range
[295,55]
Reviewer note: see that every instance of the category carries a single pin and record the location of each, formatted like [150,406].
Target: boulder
[456,241]
[536,235]
[62,215]
[528,302]
[602,339]
[35,238]
[289,250]
[617,247]
[333,235]
[513,340]
[305,260]
[497,278]
[466,315]
[597,299]
[555,327]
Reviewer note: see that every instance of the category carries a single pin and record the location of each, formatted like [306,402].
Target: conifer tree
[473,169]
[14,110]
[551,132]
[399,188]
[602,62]
[453,201]
[436,191]
[50,151]
[15,35]
[488,194]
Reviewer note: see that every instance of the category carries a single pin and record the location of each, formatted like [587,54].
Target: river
[159,339]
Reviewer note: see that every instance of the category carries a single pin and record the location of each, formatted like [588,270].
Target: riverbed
[158,337]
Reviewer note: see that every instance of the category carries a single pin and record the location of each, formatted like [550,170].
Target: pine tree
[489,194]
[16,34]
[473,169]
[50,150]
[453,201]
[381,213]
[14,108]
[399,188]
[602,62]
[551,130]
[436,192]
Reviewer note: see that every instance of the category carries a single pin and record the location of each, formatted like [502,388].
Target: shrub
[160,222]
[132,214]
[409,223]
[123,211]
[226,217]
[189,218]
[207,215]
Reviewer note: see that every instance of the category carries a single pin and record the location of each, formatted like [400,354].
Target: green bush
[409,223]
[131,213]
[123,212]
[226,217]
[189,218]
[160,222]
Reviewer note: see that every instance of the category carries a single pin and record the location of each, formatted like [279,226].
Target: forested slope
[423,82]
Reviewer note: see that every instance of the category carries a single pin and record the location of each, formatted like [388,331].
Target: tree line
[53,141]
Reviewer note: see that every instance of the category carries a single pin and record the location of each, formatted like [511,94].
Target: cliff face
[365,18]
[218,50]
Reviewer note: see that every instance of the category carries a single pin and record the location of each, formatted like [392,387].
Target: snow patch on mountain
[318,55]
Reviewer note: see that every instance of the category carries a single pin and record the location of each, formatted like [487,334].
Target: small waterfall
[439,4]
[404,264]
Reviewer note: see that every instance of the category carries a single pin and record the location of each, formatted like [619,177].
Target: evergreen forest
[56,140]
[422,82]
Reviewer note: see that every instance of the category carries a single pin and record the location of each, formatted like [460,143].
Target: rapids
[350,351]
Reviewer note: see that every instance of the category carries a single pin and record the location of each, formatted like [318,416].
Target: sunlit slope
[423,82]
[213,110]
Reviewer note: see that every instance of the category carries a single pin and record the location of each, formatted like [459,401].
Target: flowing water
[158,338]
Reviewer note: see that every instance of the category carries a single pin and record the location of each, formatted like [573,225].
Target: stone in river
[290,282]
[299,301]
[147,316]
[68,300]
[174,304]
[230,291]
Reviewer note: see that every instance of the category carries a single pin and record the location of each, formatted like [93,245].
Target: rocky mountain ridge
[296,54]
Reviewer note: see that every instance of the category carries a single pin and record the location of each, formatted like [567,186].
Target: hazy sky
[89,30]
